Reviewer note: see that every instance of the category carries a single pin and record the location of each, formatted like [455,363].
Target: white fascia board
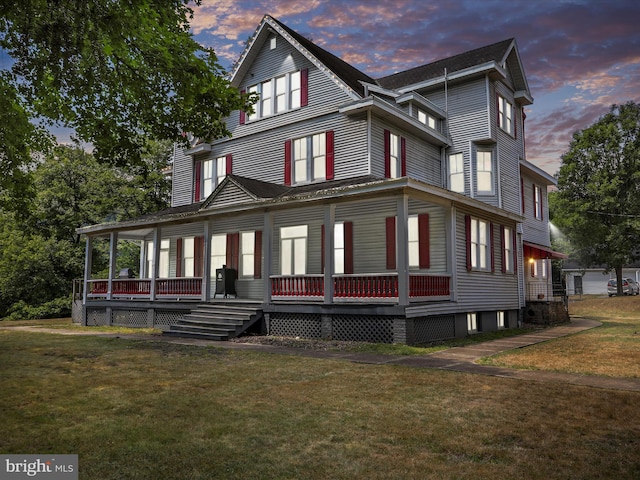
[385,109]
[475,70]
[422,102]
[537,171]
[370,87]
[200,148]
[523,97]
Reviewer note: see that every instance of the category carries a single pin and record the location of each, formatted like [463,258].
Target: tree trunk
[619,279]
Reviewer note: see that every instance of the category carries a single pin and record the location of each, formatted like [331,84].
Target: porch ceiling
[537,252]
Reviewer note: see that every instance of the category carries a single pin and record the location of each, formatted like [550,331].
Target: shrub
[57,308]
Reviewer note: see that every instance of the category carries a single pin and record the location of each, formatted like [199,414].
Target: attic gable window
[505,115]
[279,94]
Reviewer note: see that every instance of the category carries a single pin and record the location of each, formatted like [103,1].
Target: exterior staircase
[217,321]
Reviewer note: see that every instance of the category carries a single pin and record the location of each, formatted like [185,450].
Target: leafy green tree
[118,72]
[597,204]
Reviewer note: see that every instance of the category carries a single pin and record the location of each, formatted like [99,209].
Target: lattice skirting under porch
[133,317]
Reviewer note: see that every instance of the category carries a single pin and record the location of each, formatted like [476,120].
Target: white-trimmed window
[395,159]
[428,120]
[484,172]
[163,268]
[218,251]
[472,322]
[247,253]
[293,250]
[500,316]
[537,202]
[277,95]
[456,173]
[505,115]
[309,158]
[414,241]
[338,248]
[479,244]
[507,254]
[213,172]
[543,268]
[188,256]
[533,265]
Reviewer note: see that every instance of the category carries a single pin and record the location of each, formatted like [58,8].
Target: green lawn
[150,410]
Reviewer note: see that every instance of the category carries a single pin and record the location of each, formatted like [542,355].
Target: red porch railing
[132,287]
[297,286]
[365,286]
[429,286]
[179,287]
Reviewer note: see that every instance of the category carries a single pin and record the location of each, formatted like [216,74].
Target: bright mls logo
[50,467]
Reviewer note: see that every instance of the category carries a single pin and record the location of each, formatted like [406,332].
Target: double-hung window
[218,251]
[247,254]
[478,244]
[484,172]
[537,202]
[456,173]
[189,256]
[507,250]
[293,250]
[395,155]
[213,172]
[339,248]
[505,115]
[163,267]
[309,158]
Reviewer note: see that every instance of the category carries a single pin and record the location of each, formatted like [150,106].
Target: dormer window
[429,120]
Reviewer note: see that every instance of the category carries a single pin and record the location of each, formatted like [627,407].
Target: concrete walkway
[459,359]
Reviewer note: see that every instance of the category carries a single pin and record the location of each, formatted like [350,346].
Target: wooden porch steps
[218,321]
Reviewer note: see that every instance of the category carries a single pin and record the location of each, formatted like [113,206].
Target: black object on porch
[226,282]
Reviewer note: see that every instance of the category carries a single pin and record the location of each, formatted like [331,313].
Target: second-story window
[279,94]
[395,155]
[537,202]
[505,115]
[213,172]
[309,159]
[456,173]
[484,172]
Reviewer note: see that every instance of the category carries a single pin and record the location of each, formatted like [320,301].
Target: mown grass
[146,410]
[611,350]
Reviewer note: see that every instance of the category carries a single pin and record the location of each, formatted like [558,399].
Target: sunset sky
[580,57]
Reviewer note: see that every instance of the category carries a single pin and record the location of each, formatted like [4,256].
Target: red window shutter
[179,257]
[348,247]
[403,156]
[243,118]
[424,245]
[522,193]
[304,87]
[330,156]
[387,154]
[257,255]
[198,247]
[467,232]
[391,242]
[287,162]
[491,247]
[233,246]
[503,258]
[197,181]
[322,248]
[229,164]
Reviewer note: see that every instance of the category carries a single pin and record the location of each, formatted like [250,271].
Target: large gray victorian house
[397,209]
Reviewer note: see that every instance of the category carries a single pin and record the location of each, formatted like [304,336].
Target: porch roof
[263,195]
[537,252]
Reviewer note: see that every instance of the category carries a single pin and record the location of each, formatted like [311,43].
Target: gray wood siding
[423,159]
[437,234]
[483,291]
[182,179]
[535,230]
[510,151]
[231,195]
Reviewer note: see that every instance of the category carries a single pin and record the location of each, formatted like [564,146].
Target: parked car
[629,287]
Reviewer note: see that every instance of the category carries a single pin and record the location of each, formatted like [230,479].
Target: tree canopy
[117,72]
[597,204]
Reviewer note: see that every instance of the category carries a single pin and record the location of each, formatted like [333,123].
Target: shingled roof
[495,52]
[347,73]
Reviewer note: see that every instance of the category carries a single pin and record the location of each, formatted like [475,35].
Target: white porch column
[88,260]
[267,255]
[329,251]
[402,248]
[206,267]
[113,254]
[155,262]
